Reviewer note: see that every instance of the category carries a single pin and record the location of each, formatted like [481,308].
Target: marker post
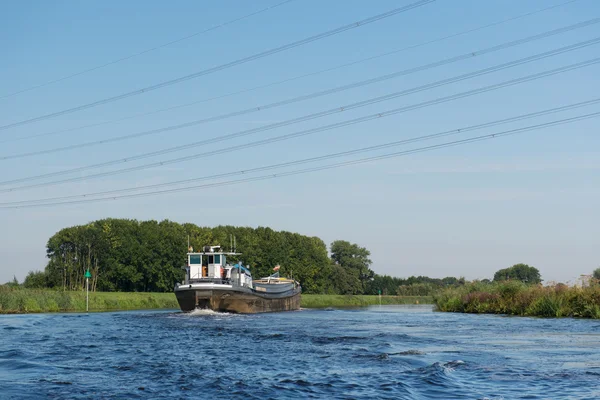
[87,290]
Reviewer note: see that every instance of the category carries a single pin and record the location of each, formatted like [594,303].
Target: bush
[516,298]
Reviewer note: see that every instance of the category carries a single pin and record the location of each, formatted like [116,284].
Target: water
[389,352]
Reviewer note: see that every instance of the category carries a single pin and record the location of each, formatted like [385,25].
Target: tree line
[147,256]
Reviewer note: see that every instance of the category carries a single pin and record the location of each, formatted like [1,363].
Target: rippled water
[394,352]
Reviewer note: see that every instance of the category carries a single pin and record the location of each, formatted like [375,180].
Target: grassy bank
[21,300]
[332,300]
[515,298]
[32,301]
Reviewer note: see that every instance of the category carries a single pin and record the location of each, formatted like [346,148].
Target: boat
[214,284]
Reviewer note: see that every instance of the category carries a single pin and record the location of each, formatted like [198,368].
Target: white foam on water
[204,311]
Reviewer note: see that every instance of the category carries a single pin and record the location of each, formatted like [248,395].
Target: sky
[465,210]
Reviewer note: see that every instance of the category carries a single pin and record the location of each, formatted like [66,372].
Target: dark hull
[237,301]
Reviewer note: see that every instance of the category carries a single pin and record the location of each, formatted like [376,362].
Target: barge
[212,283]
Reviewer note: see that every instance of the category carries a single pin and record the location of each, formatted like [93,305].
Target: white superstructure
[211,267]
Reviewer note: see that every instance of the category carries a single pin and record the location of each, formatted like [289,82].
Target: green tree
[36,280]
[14,283]
[386,284]
[596,274]
[142,256]
[519,272]
[131,255]
[354,259]
[345,281]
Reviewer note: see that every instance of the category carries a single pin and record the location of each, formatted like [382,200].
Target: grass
[333,300]
[516,298]
[20,300]
[13,301]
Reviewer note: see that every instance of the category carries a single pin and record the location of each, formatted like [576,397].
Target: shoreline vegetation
[508,298]
[133,265]
[25,301]
[123,255]
[520,299]
[341,301]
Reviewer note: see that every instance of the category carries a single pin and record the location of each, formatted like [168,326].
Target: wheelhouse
[211,265]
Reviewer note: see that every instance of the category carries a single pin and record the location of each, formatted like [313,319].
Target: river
[388,352]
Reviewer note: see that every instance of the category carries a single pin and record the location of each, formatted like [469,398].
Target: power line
[446,133]
[354,85]
[290,79]
[323,113]
[221,67]
[329,166]
[304,132]
[147,50]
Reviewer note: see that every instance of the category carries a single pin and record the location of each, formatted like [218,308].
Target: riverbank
[17,301]
[334,300]
[516,298]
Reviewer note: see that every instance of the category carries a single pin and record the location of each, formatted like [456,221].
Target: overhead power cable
[304,132]
[56,132]
[329,166]
[221,67]
[438,135]
[118,60]
[311,96]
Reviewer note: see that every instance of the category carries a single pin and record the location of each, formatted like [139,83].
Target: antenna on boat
[234,244]
[231,243]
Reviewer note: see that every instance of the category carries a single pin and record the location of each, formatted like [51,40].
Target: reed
[516,298]
[332,300]
[19,300]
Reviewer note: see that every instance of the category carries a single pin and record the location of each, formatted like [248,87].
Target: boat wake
[204,312]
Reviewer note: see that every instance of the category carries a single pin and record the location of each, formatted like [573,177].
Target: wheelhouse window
[195,259]
[217,259]
[211,260]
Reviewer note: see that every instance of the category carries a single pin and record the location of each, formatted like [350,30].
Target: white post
[87,294]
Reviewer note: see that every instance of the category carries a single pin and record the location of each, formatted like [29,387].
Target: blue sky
[461,211]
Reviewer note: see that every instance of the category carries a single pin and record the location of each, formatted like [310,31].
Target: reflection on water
[396,352]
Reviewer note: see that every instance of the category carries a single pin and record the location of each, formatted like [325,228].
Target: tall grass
[516,298]
[332,300]
[19,300]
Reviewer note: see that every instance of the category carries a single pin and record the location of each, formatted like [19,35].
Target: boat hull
[236,300]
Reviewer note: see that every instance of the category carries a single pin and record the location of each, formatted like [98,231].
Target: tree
[519,272]
[354,258]
[388,285]
[596,274]
[345,281]
[14,283]
[146,256]
[35,280]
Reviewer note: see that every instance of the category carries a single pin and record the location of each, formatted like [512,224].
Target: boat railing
[211,280]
